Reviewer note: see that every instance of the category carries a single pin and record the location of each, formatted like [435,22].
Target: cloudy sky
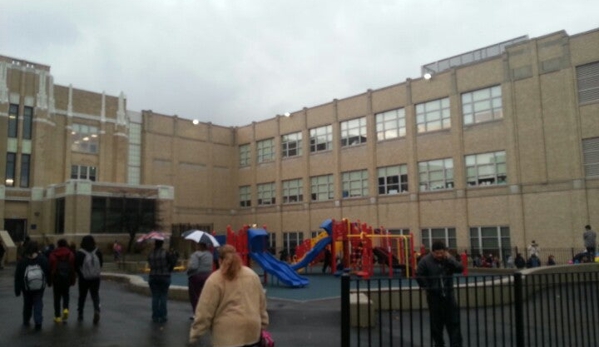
[232,62]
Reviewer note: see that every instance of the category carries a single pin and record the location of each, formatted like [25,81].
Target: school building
[487,150]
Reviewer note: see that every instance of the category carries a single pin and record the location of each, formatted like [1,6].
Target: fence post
[345,322]
[519,309]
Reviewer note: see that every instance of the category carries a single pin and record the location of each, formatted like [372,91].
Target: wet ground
[126,320]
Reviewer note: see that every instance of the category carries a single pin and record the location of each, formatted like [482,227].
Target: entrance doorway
[16,229]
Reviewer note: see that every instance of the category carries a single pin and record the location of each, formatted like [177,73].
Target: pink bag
[266,340]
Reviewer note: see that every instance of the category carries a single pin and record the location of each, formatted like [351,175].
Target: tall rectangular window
[291,145]
[433,115]
[436,174]
[353,132]
[25,167]
[11,168]
[13,120]
[245,196]
[486,169]
[391,124]
[134,166]
[244,155]
[355,183]
[266,194]
[494,240]
[27,122]
[393,179]
[292,239]
[587,77]
[266,150]
[482,105]
[84,138]
[293,191]
[447,235]
[321,139]
[322,188]
[590,152]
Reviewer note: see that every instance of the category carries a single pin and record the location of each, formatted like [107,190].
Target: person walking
[232,305]
[62,277]
[31,277]
[590,241]
[198,269]
[434,275]
[328,257]
[88,263]
[159,281]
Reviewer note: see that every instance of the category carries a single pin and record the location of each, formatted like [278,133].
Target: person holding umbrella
[198,270]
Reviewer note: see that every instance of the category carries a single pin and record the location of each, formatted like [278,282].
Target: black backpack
[63,268]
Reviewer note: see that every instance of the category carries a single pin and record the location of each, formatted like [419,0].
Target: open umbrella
[200,236]
[153,235]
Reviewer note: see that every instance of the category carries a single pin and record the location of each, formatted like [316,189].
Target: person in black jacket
[435,275]
[32,286]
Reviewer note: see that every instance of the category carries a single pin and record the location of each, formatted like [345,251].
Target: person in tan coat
[232,306]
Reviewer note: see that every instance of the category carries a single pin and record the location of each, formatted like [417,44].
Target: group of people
[60,269]
[229,296]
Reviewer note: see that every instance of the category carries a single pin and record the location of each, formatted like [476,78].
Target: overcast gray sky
[232,62]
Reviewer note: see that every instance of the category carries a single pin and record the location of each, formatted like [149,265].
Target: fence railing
[554,306]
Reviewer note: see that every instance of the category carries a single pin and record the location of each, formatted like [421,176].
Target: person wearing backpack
[88,263]
[31,277]
[62,277]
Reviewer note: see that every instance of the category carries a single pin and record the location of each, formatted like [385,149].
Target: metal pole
[345,322]
[519,309]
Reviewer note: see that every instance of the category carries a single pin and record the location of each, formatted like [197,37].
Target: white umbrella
[200,236]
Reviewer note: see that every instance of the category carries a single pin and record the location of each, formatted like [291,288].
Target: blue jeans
[159,288]
[32,301]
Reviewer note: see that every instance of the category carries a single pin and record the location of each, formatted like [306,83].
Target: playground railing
[547,306]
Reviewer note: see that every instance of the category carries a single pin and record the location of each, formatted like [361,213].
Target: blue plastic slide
[279,269]
[313,253]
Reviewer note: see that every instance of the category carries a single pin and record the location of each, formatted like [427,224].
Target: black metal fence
[520,309]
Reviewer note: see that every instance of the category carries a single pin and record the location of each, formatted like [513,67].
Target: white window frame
[83,172]
[322,188]
[392,179]
[244,155]
[486,169]
[292,239]
[391,124]
[266,150]
[433,115]
[267,193]
[354,184]
[85,138]
[293,191]
[435,174]
[245,196]
[353,132]
[447,235]
[482,105]
[321,139]
[291,145]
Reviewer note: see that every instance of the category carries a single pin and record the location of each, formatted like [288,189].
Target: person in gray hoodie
[590,241]
[434,275]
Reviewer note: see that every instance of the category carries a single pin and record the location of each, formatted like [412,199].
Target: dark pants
[195,285]
[61,292]
[444,312]
[91,286]
[159,288]
[591,252]
[32,302]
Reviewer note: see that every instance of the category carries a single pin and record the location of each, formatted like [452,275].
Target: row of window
[13,122]
[481,170]
[478,106]
[483,240]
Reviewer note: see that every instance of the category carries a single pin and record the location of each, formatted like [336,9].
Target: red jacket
[59,254]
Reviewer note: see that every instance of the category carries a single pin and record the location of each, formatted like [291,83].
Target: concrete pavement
[126,320]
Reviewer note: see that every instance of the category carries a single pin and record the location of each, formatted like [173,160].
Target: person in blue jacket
[31,277]
[435,276]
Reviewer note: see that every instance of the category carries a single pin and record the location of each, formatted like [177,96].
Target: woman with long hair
[198,270]
[232,305]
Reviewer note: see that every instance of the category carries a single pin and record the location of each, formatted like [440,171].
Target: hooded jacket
[436,276]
